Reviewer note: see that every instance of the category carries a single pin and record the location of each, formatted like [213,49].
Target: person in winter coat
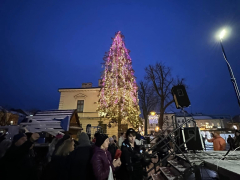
[219,144]
[17,162]
[115,139]
[162,149]
[95,135]
[131,158]
[230,141]
[237,140]
[103,166]
[52,146]
[59,166]
[4,145]
[112,148]
[121,139]
[60,142]
[138,140]
[80,166]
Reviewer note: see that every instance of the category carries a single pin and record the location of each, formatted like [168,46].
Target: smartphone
[118,154]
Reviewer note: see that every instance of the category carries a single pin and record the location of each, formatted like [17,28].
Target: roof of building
[19,112]
[181,114]
[98,87]
[169,112]
[53,120]
[201,117]
[12,111]
[236,118]
[55,112]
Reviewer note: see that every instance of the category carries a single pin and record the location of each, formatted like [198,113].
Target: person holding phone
[131,158]
[102,163]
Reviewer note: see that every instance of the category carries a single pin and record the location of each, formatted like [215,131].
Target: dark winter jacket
[131,158]
[57,169]
[93,148]
[60,142]
[237,142]
[17,163]
[80,165]
[101,162]
[112,148]
[230,141]
[74,166]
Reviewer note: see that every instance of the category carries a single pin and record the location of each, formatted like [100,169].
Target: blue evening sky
[51,44]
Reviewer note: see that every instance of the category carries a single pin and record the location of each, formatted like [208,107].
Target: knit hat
[17,137]
[100,138]
[131,131]
[83,140]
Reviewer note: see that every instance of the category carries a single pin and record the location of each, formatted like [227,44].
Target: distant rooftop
[82,88]
[86,86]
[236,118]
[201,117]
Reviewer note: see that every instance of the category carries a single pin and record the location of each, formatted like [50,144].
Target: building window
[166,117]
[80,105]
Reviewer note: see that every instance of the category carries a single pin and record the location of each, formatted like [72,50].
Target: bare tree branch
[147,100]
[161,80]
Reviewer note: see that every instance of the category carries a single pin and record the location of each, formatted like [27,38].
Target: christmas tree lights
[118,95]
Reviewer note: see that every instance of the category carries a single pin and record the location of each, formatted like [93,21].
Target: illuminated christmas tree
[118,96]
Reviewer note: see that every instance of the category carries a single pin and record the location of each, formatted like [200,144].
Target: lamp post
[233,79]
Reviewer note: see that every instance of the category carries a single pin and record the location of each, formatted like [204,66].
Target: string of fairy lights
[118,95]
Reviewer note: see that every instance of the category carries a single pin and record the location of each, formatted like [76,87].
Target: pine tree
[118,96]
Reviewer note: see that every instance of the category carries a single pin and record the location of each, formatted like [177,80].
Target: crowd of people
[219,144]
[234,142]
[104,158]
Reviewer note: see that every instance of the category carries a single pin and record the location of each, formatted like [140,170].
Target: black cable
[226,153]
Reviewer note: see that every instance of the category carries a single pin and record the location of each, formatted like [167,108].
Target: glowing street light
[233,79]
[153,113]
[222,34]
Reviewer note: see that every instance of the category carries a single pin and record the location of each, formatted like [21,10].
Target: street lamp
[233,79]
[153,113]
